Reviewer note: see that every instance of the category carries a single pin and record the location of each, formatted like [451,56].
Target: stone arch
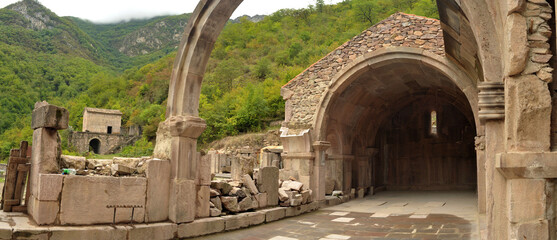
[95,144]
[395,55]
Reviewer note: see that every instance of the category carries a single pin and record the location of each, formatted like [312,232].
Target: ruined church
[467,102]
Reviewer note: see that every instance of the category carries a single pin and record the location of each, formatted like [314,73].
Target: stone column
[45,156]
[319,169]
[480,165]
[347,174]
[492,114]
[184,161]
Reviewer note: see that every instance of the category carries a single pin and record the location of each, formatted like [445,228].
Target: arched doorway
[408,121]
[95,145]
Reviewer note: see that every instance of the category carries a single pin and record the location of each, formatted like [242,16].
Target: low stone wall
[86,200]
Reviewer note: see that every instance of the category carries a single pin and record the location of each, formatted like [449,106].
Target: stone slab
[88,233]
[85,199]
[274,214]
[182,201]
[201,227]
[151,231]
[158,190]
[203,201]
[43,212]
[50,186]
[50,116]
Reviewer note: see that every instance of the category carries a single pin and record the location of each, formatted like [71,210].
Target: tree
[365,10]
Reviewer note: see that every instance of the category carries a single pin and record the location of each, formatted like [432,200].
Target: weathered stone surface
[274,214]
[50,186]
[163,145]
[250,184]
[360,193]
[296,200]
[49,116]
[528,113]
[201,227]
[223,187]
[202,201]
[515,6]
[43,212]
[152,231]
[214,192]
[261,200]
[286,174]
[242,165]
[214,212]
[89,233]
[329,186]
[75,162]
[282,195]
[158,190]
[217,202]
[80,194]
[238,192]
[204,171]
[181,203]
[534,230]
[306,196]
[530,207]
[230,204]
[267,182]
[517,47]
[119,170]
[245,204]
[233,222]
[45,155]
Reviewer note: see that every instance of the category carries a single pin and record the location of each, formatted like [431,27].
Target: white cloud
[104,11]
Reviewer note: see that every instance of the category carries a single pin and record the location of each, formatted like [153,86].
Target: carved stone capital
[321,145]
[491,101]
[479,143]
[186,126]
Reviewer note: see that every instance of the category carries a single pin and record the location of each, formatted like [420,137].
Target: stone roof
[103,111]
[399,29]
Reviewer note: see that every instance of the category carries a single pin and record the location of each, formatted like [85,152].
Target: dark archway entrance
[95,146]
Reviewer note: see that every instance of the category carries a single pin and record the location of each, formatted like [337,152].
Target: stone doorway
[95,146]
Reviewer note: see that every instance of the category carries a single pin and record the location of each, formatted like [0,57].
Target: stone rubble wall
[304,92]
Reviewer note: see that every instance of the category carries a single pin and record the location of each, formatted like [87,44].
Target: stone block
[296,200]
[283,196]
[361,193]
[50,116]
[245,204]
[250,184]
[85,199]
[214,212]
[158,190]
[50,186]
[261,200]
[267,182]
[152,231]
[204,171]
[24,228]
[163,145]
[184,158]
[233,222]
[182,199]
[295,211]
[88,233]
[75,162]
[203,201]
[43,212]
[5,231]
[45,154]
[119,170]
[223,187]
[230,204]
[216,201]
[274,214]
[242,165]
[255,218]
[527,207]
[201,227]
[533,230]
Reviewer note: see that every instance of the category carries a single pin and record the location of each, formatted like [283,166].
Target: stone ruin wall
[304,92]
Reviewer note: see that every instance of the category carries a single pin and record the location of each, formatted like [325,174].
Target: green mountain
[75,63]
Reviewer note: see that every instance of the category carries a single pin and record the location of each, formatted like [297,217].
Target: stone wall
[98,120]
[109,143]
[303,93]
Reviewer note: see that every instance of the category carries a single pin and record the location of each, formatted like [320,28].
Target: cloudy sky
[105,11]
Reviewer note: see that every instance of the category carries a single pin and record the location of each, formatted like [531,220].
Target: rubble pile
[117,166]
[293,193]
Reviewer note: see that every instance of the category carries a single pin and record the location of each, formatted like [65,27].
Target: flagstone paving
[391,215]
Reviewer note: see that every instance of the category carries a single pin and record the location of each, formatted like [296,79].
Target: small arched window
[433,123]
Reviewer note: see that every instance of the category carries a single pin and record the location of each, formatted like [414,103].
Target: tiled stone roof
[400,29]
[104,111]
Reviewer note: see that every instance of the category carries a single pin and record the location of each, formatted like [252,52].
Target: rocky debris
[230,204]
[246,204]
[337,193]
[119,170]
[214,192]
[250,184]
[238,192]
[223,187]
[215,212]
[75,162]
[106,167]
[293,193]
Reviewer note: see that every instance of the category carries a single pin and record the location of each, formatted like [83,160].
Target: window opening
[109,130]
[433,123]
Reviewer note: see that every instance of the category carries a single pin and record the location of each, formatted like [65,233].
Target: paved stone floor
[386,215]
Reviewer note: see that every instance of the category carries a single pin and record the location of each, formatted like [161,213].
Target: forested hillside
[126,66]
